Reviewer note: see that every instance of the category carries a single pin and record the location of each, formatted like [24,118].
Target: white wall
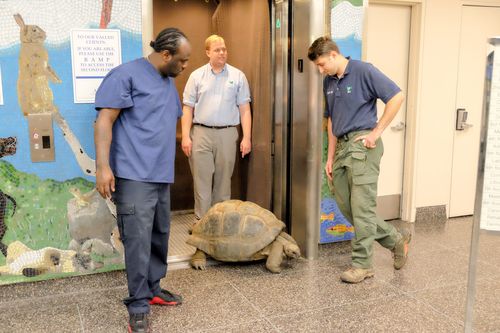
[435,116]
[436,108]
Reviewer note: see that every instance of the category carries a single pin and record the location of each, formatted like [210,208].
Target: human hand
[329,170]
[187,146]
[105,181]
[245,147]
[368,140]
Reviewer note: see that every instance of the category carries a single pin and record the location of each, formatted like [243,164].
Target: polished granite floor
[427,295]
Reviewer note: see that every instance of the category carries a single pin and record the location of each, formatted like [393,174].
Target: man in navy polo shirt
[351,90]
[138,108]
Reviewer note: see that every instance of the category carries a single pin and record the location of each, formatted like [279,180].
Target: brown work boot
[400,251]
[356,275]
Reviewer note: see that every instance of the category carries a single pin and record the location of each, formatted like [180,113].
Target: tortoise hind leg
[275,257]
[199,260]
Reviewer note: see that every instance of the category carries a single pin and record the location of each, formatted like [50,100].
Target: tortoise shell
[235,230]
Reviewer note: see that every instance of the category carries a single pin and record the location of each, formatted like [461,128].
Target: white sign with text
[490,208]
[94,52]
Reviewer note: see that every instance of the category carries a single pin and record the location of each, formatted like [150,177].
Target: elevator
[268,41]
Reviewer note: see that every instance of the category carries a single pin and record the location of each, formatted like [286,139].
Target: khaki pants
[212,163]
[355,176]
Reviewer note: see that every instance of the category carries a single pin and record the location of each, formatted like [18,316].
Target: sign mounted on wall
[94,52]
[490,206]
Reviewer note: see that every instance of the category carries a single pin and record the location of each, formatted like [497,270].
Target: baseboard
[431,214]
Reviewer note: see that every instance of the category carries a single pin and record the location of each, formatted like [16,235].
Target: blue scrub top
[144,134]
[351,101]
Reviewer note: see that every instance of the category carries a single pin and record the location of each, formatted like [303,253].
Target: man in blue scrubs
[351,90]
[138,108]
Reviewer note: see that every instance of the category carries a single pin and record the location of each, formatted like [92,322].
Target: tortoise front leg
[275,258]
[199,260]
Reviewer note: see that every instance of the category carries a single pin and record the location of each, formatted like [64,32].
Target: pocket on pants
[358,163]
[361,175]
[123,211]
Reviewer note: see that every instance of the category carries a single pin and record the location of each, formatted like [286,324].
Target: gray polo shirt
[216,97]
[351,101]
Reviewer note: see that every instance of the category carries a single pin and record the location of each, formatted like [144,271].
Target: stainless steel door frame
[298,114]
[306,118]
[279,49]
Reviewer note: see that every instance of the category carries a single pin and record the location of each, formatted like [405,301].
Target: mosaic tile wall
[52,221]
[346,18]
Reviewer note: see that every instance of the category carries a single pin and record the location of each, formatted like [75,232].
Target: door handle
[399,127]
[462,120]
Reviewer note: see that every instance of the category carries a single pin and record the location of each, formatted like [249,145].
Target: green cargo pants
[355,175]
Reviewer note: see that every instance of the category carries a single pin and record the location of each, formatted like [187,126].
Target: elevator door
[194,18]
[388,49]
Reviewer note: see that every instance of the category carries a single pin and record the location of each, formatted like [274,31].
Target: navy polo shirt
[351,101]
[143,144]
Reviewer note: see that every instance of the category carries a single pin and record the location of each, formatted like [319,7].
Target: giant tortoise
[236,230]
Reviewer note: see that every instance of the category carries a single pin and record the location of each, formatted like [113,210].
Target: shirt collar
[348,67]
[346,71]
[212,71]
[152,69]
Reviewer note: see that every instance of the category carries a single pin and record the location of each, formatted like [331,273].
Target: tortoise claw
[197,264]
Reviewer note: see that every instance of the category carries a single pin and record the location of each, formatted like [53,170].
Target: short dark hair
[321,46]
[168,39]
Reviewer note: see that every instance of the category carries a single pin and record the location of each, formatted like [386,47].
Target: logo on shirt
[349,89]
[231,82]
[329,92]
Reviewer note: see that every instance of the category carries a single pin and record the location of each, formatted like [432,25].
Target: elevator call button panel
[41,137]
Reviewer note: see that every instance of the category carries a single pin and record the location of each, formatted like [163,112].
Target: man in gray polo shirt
[216,98]
[351,90]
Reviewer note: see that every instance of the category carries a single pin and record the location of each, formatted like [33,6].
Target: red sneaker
[165,297]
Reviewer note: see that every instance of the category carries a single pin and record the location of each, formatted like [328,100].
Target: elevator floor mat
[179,252]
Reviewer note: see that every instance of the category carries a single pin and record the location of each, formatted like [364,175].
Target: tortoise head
[292,250]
